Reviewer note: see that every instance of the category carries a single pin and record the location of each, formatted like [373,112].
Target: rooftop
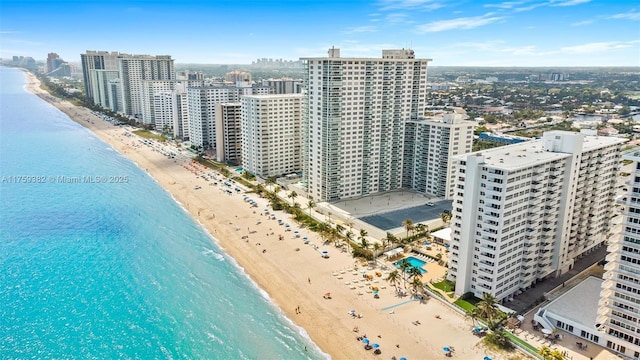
[579,304]
[530,153]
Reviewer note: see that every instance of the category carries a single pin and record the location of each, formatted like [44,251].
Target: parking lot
[393,219]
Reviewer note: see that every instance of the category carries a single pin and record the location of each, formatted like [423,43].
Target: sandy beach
[293,273]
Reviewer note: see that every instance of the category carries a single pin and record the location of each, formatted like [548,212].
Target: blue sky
[451,32]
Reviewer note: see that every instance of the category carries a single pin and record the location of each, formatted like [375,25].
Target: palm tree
[339,228]
[270,180]
[545,352]
[422,229]
[404,266]
[557,355]
[473,315]
[350,225]
[390,239]
[322,230]
[364,243]
[293,195]
[333,232]
[445,217]
[408,225]
[276,189]
[297,211]
[376,247]
[349,237]
[487,307]
[414,272]
[394,278]
[363,239]
[259,189]
[416,284]
[310,205]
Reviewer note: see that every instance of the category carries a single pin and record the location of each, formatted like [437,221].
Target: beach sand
[293,273]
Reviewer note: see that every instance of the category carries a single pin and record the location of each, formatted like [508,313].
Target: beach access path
[294,274]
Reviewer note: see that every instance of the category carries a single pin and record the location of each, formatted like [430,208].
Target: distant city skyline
[452,33]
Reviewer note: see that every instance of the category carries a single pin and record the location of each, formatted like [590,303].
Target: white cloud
[464,23]
[410,4]
[22,42]
[396,18]
[632,15]
[544,3]
[582,23]
[505,5]
[568,2]
[360,29]
[530,7]
[599,47]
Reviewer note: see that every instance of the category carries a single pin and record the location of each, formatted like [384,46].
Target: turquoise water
[116,269]
[413,262]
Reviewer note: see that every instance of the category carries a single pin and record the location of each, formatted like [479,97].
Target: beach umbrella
[447,349]
[365,341]
[375,346]
[487,358]
[403,358]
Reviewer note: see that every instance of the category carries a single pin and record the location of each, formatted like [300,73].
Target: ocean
[113,270]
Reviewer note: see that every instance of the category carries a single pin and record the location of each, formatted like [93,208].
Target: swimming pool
[413,262]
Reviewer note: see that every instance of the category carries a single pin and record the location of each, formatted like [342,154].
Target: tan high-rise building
[271,134]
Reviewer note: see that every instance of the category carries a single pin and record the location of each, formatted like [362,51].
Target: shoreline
[296,277]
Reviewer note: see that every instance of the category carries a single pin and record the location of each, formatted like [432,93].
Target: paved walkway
[526,300]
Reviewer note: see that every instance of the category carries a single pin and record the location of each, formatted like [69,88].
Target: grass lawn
[149,135]
[244,181]
[444,285]
[465,305]
[520,342]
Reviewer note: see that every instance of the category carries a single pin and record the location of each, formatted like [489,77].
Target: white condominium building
[354,117]
[229,133]
[524,212]
[619,313]
[429,145]
[134,70]
[180,114]
[202,107]
[152,87]
[271,134]
[96,60]
[100,87]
